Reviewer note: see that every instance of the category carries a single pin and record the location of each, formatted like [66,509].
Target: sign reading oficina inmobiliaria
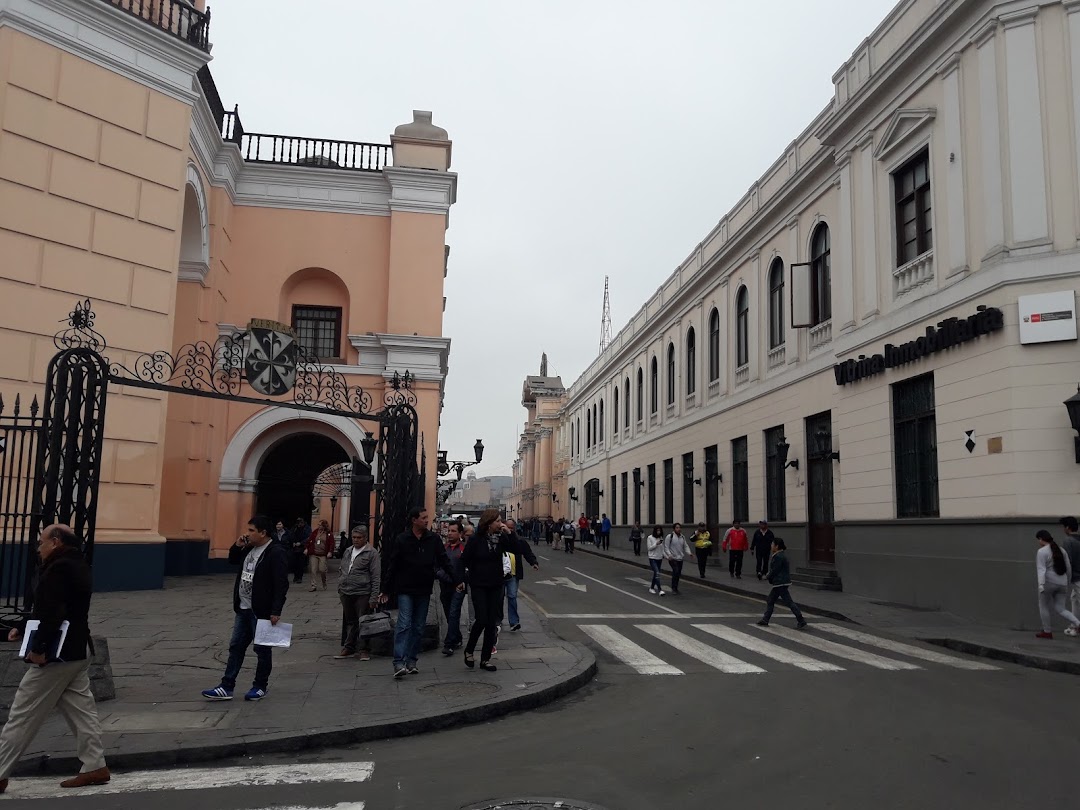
[950,332]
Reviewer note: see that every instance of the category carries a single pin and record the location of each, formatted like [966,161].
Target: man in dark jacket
[410,576]
[512,584]
[258,593]
[298,538]
[780,579]
[761,545]
[59,666]
[452,598]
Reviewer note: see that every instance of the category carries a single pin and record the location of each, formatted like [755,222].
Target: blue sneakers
[255,694]
[217,693]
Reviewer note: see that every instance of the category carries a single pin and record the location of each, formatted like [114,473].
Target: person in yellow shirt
[702,548]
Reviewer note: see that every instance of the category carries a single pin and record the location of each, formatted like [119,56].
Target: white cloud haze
[592,138]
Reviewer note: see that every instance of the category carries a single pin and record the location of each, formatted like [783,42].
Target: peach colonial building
[124,180]
[873,347]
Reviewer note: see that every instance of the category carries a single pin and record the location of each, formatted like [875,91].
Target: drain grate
[459,689]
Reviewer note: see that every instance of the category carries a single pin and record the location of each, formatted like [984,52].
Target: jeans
[637,546]
[781,594]
[452,600]
[702,560]
[411,620]
[676,574]
[487,612]
[298,563]
[762,563]
[1052,597]
[655,565]
[512,585]
[605,540]
[568,546]
[735,562]
[353,606]
[243,634]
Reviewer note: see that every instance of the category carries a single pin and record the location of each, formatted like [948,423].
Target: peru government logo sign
[270,364]
[950,332]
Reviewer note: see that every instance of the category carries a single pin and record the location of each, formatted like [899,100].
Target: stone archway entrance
[288,472]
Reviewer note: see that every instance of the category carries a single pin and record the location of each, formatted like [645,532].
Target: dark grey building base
[187,558]
[129,566]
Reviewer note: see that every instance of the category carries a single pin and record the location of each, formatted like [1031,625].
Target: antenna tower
[605,319]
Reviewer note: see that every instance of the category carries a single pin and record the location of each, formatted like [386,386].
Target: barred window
[740,485]
[915,435]
[318,331]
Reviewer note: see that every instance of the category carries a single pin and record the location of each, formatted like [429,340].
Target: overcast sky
[591,138]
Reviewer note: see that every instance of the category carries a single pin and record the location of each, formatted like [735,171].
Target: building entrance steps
[1061,654]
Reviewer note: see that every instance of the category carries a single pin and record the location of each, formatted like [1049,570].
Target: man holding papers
[258,593]
[59,665]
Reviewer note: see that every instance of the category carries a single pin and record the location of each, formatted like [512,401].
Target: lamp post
[333,509]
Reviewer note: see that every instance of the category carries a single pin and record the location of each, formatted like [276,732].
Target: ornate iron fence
[20,438]
[176,17]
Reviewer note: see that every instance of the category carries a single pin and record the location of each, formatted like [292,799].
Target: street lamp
[782,448]
[368,445]
[1072,405]
[572,492]
[333,509]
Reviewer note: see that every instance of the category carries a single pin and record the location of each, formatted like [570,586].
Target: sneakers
[1044,635]
[364,655]
[413,670]
[801,626]
[763,623]
[400,673]
[652,590]
[1071,631]
[661,592]
[341,656]
[312,588]
[448,651]
[255,694]
[515,627]
[218,693]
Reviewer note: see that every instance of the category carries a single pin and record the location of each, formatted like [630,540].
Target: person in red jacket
[735,542]
[320,545]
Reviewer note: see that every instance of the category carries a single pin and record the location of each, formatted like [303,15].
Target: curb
[716,586]
[1009,656]
[578,676]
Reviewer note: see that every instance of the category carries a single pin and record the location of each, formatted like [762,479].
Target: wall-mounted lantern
[782,448]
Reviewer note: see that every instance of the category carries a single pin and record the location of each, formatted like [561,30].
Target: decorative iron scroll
[401,391]
[266,361]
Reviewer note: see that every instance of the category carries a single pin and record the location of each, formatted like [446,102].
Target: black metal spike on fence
[1,404]
[34,406]
[17,407]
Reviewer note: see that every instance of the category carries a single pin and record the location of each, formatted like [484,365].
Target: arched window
[578,451]
[714,346]
[654,388]
[600,430]
[742,327]
[671,374]
[776,303]
[640,394]
[615,411]
[820,276]
[595,425]
[588,428]
[571,439]
[626,413]
[691,361]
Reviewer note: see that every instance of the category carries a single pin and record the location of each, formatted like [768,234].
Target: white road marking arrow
[566,583]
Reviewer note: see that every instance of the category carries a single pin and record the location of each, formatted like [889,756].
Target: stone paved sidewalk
[168,645]
[1062,654]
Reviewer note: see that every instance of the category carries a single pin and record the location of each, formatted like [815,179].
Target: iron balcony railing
[177,17]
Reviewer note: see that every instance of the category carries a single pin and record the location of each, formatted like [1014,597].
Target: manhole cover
[456,690]
[534,804]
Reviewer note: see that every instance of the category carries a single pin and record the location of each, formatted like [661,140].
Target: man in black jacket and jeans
[410,576]
[258,593]
[58,676]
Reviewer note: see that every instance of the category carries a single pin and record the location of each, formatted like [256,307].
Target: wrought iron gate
[50,464]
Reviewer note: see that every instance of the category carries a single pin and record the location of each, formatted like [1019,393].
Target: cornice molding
[194,271]
[111,38]
[986,33]
[421,191]
[1016,19]
[304,188]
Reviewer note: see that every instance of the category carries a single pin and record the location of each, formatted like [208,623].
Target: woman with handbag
[487,560]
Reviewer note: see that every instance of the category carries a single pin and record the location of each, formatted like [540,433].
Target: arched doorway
[288,472]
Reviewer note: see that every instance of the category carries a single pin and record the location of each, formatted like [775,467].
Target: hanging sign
[950,332]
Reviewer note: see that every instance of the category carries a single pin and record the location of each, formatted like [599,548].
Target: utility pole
[605,320]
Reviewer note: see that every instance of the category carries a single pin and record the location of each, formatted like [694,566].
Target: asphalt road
[740,716]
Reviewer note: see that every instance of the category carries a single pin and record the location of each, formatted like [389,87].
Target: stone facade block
[143,158]
[160,206]
[153,289]
[97,186]
[24,162]
[135,241]
[86,274]
[168,121]
[102,94]
[51,218]
[21,257]
[34,66]
[49,123]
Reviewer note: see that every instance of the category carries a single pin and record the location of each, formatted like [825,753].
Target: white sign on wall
[1047,317]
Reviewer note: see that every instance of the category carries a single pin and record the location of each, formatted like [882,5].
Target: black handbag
[375,624]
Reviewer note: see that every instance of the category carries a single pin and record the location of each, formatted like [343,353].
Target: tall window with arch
[600,429]
[640,394]
[626,413]
[595,425]
[714,345]
[820,276]
[615,410]
[578,436]
[742,327]
[654,388]
[691,361]
[671,374]
[588,429]
[776,303]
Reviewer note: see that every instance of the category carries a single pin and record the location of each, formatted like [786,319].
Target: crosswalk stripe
[839,650]
[205,779]
[756,645]
[903,649]
[627,651]
[696,649]
[640,616]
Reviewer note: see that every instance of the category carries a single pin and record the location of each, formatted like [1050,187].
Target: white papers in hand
[28,635]
[273,635]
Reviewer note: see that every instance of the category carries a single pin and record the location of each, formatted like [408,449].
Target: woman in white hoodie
[655,548]
[1053,570]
